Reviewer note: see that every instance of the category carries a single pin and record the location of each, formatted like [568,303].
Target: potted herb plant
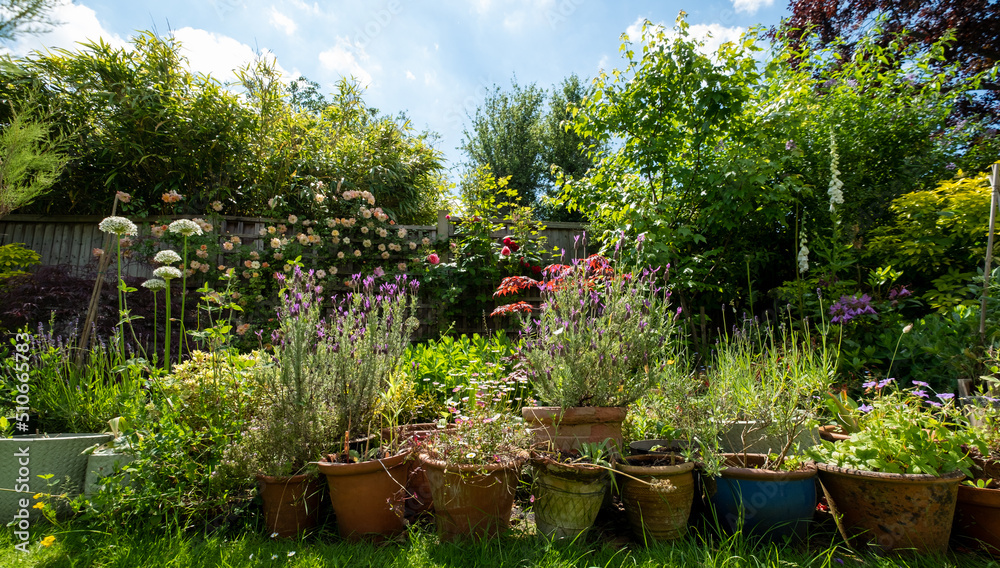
[894,483]
[569,488]
[778,382]
[593,348]
[361,346]
[294,425]
[473,464]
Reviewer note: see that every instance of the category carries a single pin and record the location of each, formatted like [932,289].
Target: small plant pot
[977,518]
[657,498]
[764,502]
[832,433]
[891,511]
[291,504]
[567,497]
[471,501]
[368,497]
[566,428]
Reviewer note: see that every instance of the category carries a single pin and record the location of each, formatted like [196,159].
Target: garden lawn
[86,548]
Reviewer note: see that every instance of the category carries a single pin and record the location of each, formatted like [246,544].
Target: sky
[434,60]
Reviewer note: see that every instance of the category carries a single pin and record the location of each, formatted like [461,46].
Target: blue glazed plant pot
[764,502]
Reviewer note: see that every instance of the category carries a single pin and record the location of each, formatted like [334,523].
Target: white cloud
[77,23]
[750,6]
[345,59]
[282,22]
[217,55]
[410,75]
[712,35]
[314,8]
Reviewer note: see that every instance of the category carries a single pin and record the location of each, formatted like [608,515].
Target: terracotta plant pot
[657,498]
[832,433]
[368,497]
[291,504]
[892,511]
[566,428]
[977,518]
[469,500]
[763,501]
[567,497]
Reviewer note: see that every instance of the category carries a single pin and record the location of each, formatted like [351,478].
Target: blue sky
[434,60]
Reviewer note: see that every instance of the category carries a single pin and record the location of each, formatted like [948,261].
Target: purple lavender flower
[950,166]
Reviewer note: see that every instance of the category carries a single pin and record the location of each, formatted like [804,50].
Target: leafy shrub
[15,258]
[213,384]
[438,367]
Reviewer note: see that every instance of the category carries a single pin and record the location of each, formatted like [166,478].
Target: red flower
[536,269]
[505,251]
[433,258]
[507,241]
[514,246]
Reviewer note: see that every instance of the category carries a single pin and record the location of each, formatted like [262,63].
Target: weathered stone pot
[567,497]
[566,428]
[102,464]
[891,511]
[657,498]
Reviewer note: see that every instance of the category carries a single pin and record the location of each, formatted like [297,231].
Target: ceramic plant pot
[291,504]
[977,518]
[566,428]
[567,497]
[891,511]
[657,492]
[764,502]
[471,501]
[368,497]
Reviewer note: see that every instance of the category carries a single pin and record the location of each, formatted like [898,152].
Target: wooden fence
[70,241]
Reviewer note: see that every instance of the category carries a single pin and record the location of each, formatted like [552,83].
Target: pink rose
[505,251]
[433,258]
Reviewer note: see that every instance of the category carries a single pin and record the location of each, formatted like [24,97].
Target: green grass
[420,548]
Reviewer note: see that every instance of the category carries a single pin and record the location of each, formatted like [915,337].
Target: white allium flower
[167,272]
[186,227]
[118,225]
[154,284]
[167,257]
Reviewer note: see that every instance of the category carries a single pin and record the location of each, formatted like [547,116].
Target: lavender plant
[601,337]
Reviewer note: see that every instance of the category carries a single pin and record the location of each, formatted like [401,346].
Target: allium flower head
[154,284]
[167,257]
[118,225]
[186,227]
[167,272]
